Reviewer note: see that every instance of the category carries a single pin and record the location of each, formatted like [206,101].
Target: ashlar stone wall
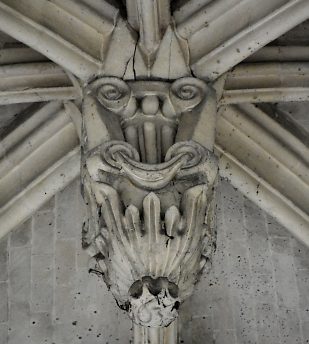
[257,291]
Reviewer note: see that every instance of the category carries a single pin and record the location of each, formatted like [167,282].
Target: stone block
[222,308]
[42,297]
[70,212]
[259,253]
[303,289]
[245,320]
[239,265]
[42,283]
[21,236]
[202,330]
[82,257]
[48,206]
[88,293]
[4,259]
[254,218]
[243,303]
[185,323]
[275,229]
[88,313]
[116,329]
[201,300]
[3,302]
[232,206]
[257,239]
[64,304]
[64,333]
[300,254]
[305,328]
[4,250]
[267,324]
[224,337]
[263,288]
[289,326]
[19,323]
[284,272]
[94,301]
[4,333]
[42,268]
[65,261]
[220,258]
[3,272]
[43,233]
[20,274]
[41,328]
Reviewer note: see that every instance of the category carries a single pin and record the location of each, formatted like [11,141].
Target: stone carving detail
[150,227]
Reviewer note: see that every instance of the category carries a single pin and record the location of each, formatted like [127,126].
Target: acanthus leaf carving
[150,197]
[143,251]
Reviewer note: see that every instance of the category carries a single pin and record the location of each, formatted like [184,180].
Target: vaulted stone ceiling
[257,58]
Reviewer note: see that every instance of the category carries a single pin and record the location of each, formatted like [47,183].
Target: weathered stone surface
[42,283]
[4,250]
[4,255]
[214,312]
[202,326]
[267,323]
[4,334]
[148,177]
[41,328]
[284,274]
[20,274]
[65,261]
[68,203]
[43,233]
[19,322]
[148,168]
[4,300]
[22,235]
[300,254]
[49,205]
[244,304]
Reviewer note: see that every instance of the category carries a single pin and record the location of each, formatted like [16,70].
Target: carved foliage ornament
[148,177]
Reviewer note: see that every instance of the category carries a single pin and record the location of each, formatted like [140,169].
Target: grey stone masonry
[257,290]
[46,293]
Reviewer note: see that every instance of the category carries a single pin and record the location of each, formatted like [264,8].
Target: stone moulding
[148,182]
[148,168]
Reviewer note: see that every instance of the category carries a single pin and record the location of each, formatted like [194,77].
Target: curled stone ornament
[149,184]
[154,302]
[121,158]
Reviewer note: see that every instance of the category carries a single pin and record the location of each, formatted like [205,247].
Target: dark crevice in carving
[96,272]
[134,54]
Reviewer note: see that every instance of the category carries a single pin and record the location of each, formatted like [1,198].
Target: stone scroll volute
[148,170]
[148,176]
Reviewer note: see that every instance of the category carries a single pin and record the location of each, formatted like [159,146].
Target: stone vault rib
[267,163]
[214,50]
[266,83]
[296,151]
[265,196]
[148,127]
[37,158]
[66,47]
[36,82]
[293,53]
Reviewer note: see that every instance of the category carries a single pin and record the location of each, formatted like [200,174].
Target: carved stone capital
[148,179]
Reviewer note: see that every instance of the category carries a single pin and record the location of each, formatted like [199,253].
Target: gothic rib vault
[148,91]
